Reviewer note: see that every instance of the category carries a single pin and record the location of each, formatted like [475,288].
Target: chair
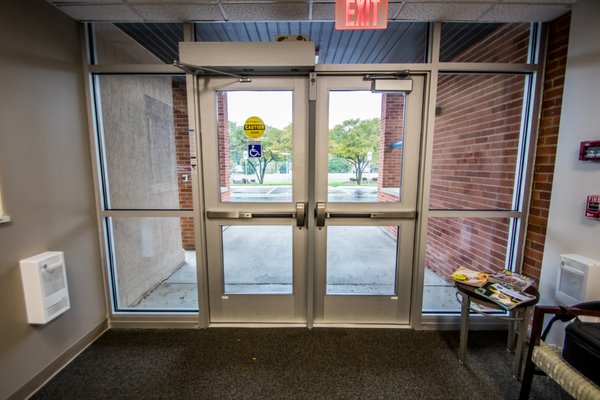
[549,359]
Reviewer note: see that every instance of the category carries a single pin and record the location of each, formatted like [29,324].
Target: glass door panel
[268,271]
[243,176]
[364,273]
[361,260]
[256,248]
[365,143]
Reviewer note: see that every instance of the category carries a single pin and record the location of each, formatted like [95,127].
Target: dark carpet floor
[231,363]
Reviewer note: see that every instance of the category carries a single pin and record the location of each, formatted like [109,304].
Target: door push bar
[299,215]
[321,214]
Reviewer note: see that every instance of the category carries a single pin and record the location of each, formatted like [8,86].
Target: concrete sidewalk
[258,260]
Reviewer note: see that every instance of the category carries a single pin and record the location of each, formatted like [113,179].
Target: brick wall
[508,44]
[182,148]
[546,145]
[477,243]
[390,159]
[223,127]
[476,141]
[184,171]
[474,161]
[475,148]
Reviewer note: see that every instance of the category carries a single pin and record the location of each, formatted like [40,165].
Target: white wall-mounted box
[578,280]
[45,285]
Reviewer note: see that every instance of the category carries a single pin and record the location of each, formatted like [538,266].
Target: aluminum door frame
[368,309]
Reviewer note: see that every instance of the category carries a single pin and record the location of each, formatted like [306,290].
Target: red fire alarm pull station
[592,206]
[361,14]
[589,151]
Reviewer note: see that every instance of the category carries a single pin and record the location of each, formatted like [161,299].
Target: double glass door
[291,242]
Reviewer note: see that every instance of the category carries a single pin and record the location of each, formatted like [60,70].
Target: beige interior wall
[47,183]
[2,211]
[569,231]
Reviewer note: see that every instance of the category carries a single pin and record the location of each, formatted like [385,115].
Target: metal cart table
[518,318]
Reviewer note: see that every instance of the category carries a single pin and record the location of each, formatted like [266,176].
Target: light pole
[287,169]
[369,157]
[245,169]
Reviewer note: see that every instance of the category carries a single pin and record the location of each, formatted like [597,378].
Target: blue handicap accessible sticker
[254,150]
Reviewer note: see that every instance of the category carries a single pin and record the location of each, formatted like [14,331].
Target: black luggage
[582,348]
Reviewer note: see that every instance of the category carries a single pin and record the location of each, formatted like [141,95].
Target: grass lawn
[262,184]
[336,184]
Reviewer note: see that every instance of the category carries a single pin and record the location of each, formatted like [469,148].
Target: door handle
[394,215]
[320,214]
[300,215]
[374,215]
[228,215]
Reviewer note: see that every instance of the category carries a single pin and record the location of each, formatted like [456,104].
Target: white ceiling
[294,10]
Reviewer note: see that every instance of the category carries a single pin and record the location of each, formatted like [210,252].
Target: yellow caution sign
[254,127]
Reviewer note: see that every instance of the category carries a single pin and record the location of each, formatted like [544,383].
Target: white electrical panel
[578,280]
[45,285]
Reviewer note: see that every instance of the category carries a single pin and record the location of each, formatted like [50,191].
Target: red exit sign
[361,14]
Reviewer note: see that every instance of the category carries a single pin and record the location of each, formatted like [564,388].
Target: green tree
[276,145]
[236,147]
[338,165]
[352,140]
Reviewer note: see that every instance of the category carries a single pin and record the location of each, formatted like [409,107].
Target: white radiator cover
[45,286]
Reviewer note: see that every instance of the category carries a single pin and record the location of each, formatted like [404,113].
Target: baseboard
[452,323]
[360,326]
[35,383]
[255,325]
[152,321]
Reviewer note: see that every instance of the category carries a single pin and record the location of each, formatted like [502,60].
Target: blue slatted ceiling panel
[334,47]
[401,42]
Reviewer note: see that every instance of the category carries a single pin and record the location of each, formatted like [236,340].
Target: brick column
[390,159]
[184,171]
[223,127]
[554,79]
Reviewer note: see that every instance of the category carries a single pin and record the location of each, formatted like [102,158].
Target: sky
[275,107]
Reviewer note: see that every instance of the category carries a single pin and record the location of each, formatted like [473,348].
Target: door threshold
[303,325]
[255,325]
[358,325]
